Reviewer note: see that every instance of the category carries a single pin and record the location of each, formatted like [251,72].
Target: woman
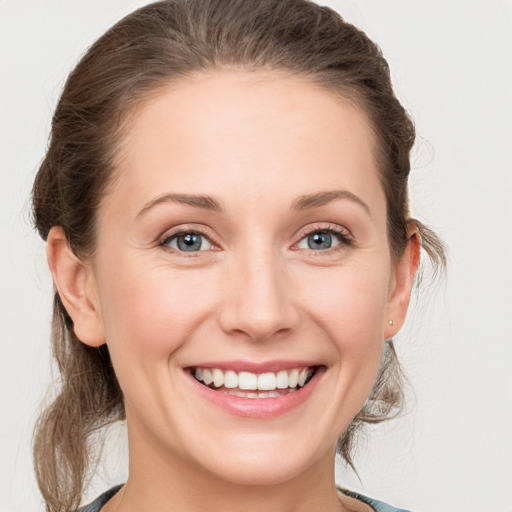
[224,201]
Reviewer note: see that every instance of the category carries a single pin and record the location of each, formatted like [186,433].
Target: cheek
[352,307]
[351,310]
[150,312]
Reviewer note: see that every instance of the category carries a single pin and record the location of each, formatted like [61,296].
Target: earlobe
[402,283]
[76,286]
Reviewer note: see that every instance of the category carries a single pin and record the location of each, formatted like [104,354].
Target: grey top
[100,500]
[378,506]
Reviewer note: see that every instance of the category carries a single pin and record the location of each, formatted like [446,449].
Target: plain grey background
[452,66]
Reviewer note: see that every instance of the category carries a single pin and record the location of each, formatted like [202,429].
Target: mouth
[245,384]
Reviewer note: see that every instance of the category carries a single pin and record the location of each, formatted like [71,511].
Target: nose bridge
[260,302]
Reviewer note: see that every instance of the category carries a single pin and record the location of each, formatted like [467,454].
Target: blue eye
[319,241]
[188,242]
[323,239]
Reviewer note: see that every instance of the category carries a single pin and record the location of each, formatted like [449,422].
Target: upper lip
[256,367]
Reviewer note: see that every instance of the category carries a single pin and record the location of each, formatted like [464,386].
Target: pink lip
[257,408]
[256,367]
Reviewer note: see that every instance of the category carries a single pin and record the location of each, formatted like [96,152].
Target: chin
[249,471]
[263,461]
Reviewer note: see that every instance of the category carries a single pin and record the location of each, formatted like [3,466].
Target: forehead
[213,132]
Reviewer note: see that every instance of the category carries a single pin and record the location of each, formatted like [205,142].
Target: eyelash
[341,234]
[168,238]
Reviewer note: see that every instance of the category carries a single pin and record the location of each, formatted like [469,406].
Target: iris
[189,242]
[320,240]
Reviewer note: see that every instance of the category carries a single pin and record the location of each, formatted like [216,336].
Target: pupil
[189,242]
[320,241]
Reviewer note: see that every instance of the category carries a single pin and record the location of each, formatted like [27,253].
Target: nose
[259,301]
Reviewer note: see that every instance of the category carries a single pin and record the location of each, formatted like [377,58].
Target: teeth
[207,377]
[218,377]
[264,384]
[247,380]
[261,394]
[293,379]
[282,380]
[230,379]
[302,377]
[267,381]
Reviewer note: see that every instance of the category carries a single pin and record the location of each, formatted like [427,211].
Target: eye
[324,239]
[187,241]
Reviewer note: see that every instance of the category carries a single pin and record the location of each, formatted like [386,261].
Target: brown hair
[146,50]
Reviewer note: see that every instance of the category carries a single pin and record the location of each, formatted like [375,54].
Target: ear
[76,286]
[401,283]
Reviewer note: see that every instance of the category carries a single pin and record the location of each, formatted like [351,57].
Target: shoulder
[376,505]
[100,500]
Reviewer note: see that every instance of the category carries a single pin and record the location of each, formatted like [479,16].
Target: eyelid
[184,229]
[346,237]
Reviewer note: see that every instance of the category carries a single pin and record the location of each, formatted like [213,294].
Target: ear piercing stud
[390,322]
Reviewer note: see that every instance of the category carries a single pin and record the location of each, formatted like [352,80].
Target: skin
[256,142]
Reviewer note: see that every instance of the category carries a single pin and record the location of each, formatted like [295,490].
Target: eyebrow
[198,201]
[304,202]
[317,199]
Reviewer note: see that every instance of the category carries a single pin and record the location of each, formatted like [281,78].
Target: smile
[254,385]
[256,391]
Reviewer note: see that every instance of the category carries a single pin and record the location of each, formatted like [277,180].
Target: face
[244,241]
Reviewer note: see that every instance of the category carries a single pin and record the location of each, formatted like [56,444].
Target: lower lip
[261,408]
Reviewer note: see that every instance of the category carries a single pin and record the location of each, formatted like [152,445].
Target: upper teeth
[248,380]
